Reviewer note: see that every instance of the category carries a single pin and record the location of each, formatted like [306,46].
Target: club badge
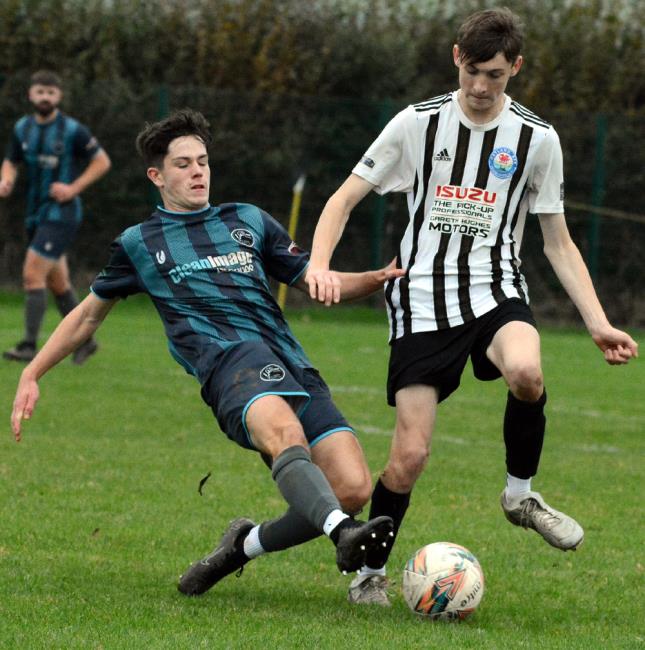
[243,237]
[502,162]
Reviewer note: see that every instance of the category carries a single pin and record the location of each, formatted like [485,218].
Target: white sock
[252,546]
[517,486]
[368,571]
[333,519]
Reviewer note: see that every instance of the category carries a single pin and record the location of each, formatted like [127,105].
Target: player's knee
[354,492]
[32,279]
[526,382]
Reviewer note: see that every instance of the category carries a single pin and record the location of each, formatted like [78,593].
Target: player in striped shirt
[206,269]
[62,158]
[472,164]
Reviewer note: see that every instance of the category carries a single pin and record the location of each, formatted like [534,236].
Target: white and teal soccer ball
[443,581]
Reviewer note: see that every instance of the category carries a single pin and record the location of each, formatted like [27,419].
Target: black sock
[66,302]
[524,425]
[391,504]
[35,306]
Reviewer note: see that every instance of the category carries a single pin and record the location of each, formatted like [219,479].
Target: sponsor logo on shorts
[48,246]
[161,257]
[272,372]
[561,191]
[368,162]
[502,162]
[243,236]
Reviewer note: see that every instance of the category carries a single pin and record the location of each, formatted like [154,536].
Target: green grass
[99,509]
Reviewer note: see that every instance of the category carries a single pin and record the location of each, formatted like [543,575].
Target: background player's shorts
[438,358]
[51,239]
[250,370]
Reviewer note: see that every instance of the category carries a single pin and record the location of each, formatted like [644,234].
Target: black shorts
[438,358]
[51,239]
[250,370]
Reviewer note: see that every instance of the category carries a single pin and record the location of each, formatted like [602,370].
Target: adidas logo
[443,156]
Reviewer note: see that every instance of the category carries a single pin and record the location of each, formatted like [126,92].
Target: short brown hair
[488,32]
[153,140]
[45,78]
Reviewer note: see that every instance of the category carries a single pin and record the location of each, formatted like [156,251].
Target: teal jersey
[53,152]
[207,273]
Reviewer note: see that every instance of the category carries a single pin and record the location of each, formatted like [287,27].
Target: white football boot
[529,510]
[369,590]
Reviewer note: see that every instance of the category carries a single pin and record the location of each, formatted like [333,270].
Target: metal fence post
[597,195]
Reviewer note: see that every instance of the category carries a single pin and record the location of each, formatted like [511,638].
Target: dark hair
[45,78]
[153,140]
[488,32]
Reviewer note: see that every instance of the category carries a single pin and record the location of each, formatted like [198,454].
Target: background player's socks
[66,302]
[35,306]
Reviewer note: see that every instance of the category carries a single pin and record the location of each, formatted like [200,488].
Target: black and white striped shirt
[469,187]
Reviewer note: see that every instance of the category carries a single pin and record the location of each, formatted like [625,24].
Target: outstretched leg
[276,431]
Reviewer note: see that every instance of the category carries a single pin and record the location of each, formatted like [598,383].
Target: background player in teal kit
[62,158]
[206,270]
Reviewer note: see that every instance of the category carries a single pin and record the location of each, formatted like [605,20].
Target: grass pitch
[100,513]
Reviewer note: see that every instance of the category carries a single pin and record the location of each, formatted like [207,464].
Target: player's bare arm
[324,285]
[72,331]
[353,286]
[8,175]
[97,167]
[565,258]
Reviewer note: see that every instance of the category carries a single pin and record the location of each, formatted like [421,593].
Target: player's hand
[617,346]
[24,404]
[392,272]
[62,192]
[5,189]
[324,285]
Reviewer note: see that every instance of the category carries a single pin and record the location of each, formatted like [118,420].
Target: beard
[44,109]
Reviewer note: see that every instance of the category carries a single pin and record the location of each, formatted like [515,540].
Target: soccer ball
[443,581]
